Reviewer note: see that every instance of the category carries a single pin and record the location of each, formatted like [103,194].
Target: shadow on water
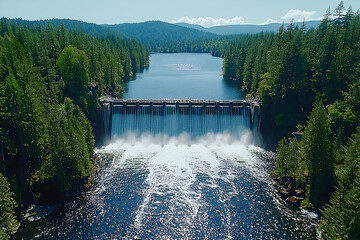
[127,79]
[232,83]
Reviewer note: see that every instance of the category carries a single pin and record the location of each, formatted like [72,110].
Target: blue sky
[204,12]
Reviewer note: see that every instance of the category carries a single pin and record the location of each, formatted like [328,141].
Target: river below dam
[155,185]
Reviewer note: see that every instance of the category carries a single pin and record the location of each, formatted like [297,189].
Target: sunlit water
[182,76]
[158,187]
[174,184]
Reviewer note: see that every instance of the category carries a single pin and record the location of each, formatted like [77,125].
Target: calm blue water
[182,76]
[157,181]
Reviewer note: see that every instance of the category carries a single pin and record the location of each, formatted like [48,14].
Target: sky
[202,12]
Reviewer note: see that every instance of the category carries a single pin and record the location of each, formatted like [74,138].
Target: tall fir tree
[317,153]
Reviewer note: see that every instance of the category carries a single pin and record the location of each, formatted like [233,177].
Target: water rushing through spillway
[214,187]
[174,120]
[160,187]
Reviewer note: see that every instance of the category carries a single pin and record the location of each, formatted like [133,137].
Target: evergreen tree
[45,75]
[8,222]
[281,158]
[74,68]
[317,153]
[339,13]
[341,217]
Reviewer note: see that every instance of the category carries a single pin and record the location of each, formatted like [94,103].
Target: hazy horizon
[200,12]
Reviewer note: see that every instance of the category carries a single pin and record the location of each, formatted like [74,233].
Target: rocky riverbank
[289,190]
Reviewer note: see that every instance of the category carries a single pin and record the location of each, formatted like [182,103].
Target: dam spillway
[176,116]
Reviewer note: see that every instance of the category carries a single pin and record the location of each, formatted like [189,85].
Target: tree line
[309,80]
[155,35]
[50,82]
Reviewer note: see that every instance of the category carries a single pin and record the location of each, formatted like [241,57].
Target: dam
[175,116]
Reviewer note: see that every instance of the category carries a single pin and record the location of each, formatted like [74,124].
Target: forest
[157,36]
[308,81]
[50,82]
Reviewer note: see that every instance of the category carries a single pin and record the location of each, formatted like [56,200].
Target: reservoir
[174,184]
[182,76]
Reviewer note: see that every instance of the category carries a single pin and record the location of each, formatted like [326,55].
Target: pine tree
[317,153]
[281,158]
[8,222]
[74,68]
[339,14]
[341,217]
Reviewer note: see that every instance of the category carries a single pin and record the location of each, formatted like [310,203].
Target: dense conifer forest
[50,82]
[302,72]
[308,80]
[155,35]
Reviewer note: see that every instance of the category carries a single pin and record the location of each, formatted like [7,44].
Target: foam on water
[180,172]
[160,187]
[181,67]
[209,187]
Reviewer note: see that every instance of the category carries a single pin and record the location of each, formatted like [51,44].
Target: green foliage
[345,113]
[289,163]
[310,161]
[164,37]
[341,217]
[316,163]
[68,146]
[155,35]
[265,86]
[281,158]
[306,204]
[50,81]
[74,69]
[318,155]
[287,70]
[8,222]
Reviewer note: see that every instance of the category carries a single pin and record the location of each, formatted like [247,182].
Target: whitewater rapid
[210,187]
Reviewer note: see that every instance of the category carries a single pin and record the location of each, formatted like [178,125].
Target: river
[215,185]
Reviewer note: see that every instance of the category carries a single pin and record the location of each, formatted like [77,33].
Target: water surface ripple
[155,190]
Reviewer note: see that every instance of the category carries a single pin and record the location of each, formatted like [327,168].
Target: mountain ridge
[246,28]
[160,30]
[161,36]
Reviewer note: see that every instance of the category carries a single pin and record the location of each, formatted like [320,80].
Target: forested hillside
[166,37]
[155,35]
[298,71]
[289,69]
[247,29]
[91,29]
[50,81]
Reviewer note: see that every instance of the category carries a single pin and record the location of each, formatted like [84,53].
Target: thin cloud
[299,15]
[210,22]
[269,21]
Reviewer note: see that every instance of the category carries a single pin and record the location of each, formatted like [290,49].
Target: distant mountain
[194,26]
[246,29]
[165,37]
[158,36]
[159,33]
